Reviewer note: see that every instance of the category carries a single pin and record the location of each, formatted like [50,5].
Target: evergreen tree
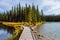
[19,14]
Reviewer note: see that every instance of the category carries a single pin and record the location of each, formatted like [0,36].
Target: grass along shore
[17,32]
[22,23]
[17,26]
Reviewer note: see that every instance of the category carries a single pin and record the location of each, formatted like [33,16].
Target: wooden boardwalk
[26,34]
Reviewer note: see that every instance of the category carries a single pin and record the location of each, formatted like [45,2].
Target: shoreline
[35,30]
[34,26]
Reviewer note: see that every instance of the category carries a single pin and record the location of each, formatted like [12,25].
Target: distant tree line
[52,18]
[22,14]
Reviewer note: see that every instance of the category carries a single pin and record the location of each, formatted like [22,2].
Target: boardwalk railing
[32,34]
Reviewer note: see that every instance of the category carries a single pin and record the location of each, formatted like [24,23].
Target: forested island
[16,17]
[22,14]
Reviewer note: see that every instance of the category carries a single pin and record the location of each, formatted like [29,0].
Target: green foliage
[19,14]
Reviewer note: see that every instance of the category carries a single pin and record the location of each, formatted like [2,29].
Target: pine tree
[25,14]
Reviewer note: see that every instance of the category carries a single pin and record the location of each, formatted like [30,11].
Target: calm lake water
[5,32]
[49,31]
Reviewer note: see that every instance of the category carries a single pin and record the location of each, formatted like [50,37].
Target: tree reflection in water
[8,28]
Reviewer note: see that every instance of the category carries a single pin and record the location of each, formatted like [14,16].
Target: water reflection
[5,31]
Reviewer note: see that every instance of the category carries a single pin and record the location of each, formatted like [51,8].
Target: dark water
[49,31]
[5,32]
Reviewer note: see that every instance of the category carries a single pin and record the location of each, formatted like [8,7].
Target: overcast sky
[48,6]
